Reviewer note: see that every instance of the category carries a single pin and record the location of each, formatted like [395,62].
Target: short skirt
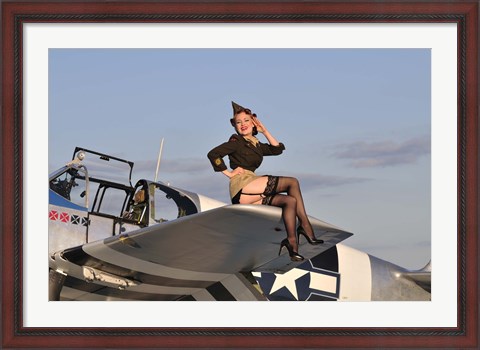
[240,181]
[236,186]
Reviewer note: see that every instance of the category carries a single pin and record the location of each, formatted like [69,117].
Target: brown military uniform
[244,154]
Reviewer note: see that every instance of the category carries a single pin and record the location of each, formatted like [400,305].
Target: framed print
[53,51]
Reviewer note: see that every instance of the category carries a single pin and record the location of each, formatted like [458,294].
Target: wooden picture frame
[463,13]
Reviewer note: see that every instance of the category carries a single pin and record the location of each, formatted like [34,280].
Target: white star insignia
[287,280]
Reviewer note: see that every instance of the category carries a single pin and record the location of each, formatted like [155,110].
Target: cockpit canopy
[102,184]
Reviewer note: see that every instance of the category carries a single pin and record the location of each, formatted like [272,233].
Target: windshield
[105,167]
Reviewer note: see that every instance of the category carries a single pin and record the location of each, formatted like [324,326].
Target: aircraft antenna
[159,157]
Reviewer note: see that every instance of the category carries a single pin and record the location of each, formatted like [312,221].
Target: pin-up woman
[246,153]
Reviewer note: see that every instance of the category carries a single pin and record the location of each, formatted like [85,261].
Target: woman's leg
[289,207]
[292,187]
[286,202]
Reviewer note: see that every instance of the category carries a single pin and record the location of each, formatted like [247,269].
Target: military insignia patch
[53,215]
[75,219]
[64,217]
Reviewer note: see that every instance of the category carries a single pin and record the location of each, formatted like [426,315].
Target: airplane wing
[198,257]
[421,277]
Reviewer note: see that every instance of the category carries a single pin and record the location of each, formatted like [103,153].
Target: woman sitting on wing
[246,153]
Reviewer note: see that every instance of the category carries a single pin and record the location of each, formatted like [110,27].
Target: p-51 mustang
[110,240]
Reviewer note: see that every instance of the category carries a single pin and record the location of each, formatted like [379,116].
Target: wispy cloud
[197,175]
[191,174]
[170,166]
[215,185]
[384,153]
[315,181]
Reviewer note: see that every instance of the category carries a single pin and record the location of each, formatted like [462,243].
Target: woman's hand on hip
[236,171]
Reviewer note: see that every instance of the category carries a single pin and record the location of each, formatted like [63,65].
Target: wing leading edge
[198,257]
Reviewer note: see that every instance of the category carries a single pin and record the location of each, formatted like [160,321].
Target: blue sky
[356,124]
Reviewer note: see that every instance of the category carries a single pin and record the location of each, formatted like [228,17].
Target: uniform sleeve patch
[232,138]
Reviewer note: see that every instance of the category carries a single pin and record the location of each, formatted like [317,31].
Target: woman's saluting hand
[260,127]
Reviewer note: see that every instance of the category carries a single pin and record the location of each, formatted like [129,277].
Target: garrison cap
[237,108]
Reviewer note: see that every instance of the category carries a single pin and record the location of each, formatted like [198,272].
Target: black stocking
[292,187]
[288,205]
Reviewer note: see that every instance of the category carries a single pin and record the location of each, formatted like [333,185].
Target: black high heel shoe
[294,256]
[313,241]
